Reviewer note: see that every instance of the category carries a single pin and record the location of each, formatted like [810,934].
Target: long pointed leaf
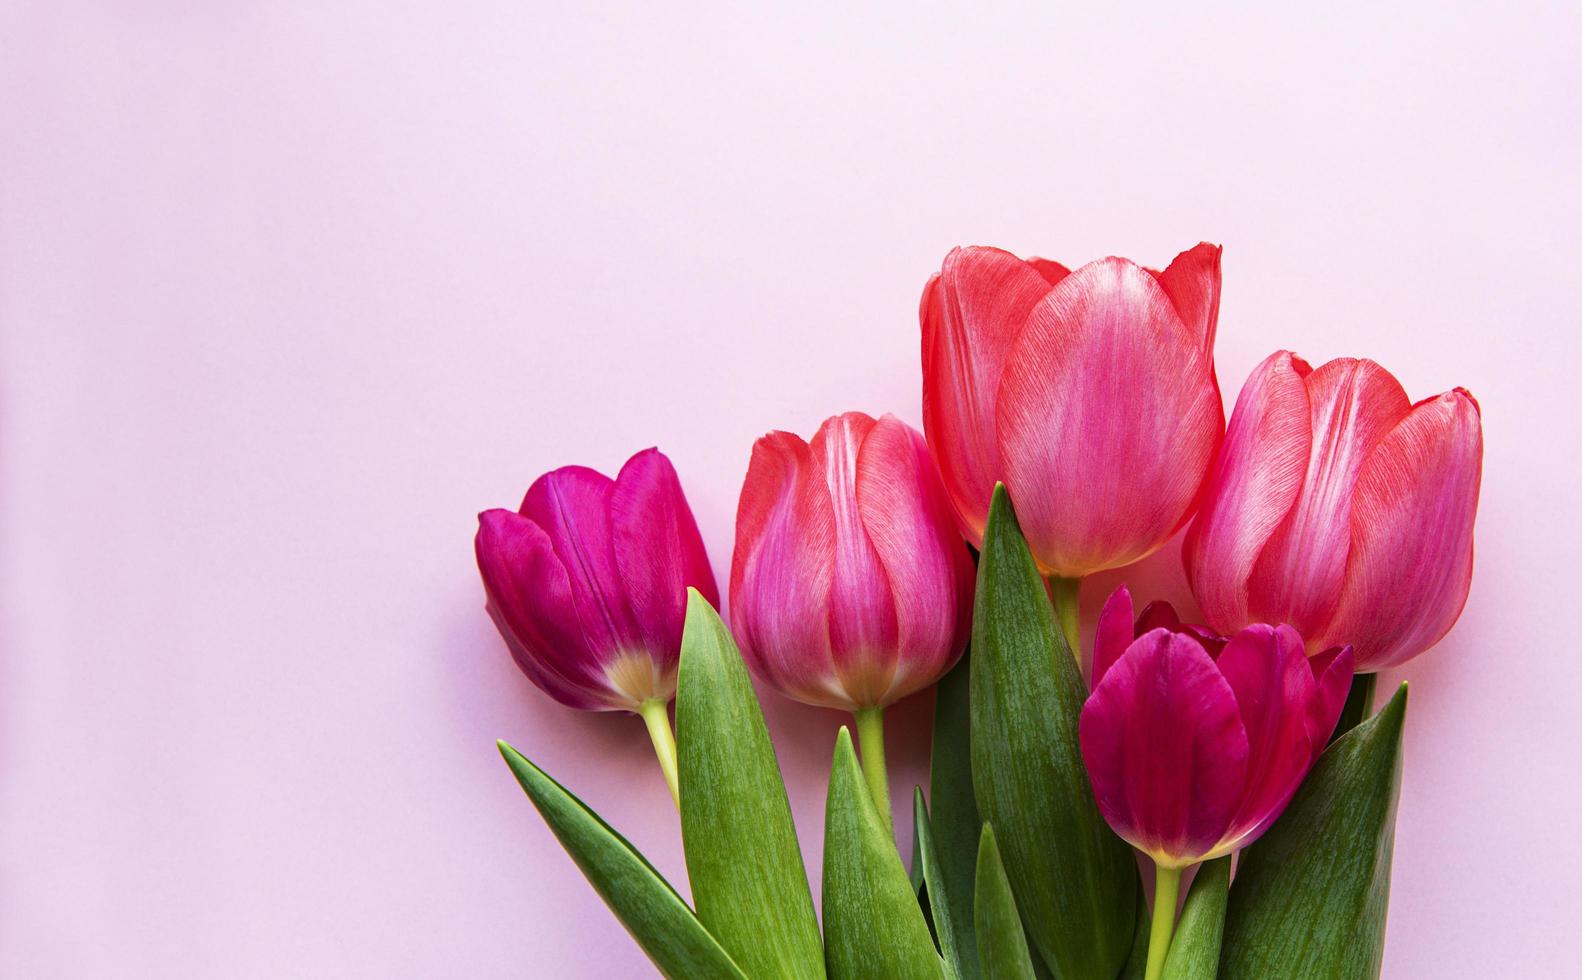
[1074,881]
[873,927]
[953,820]
[1194,952]
[746,869]
[1002,944]
[641,899]
[925,861]
[1310,898]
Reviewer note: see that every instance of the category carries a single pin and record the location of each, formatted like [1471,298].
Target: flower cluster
[1329,533]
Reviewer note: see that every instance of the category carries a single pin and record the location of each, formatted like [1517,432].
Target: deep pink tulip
[1194,743]
[588,582]
[851,587]
[1338,506]
[1090,394]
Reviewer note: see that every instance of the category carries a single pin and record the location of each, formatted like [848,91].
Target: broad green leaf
[1137,960]
[925,861]
[873,927]
[748,881]
[1194,952]
[1310,898]
[1002,945]
[644,901]
[1075,881]
[953,820]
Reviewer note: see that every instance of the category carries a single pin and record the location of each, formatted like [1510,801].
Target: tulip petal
[1051,270]
[1410,562]
[971,312]
[1353,405]
[1108,418]
[781,570]
[1192,281]
[1114,633]
[658,551]
[1165,748]
[1255,481]
[913,532]
[1332,672]
[530,600]
[1267,668]
[571,505]
[862,620]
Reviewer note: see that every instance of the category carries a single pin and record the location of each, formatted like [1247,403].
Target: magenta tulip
[1338,506]
[851,587]
[1090,394]
[588,582]
[1194,743]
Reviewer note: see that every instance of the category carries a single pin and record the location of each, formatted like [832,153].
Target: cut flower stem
[656,715]
[870,737]
[1167,890]
[1065,594]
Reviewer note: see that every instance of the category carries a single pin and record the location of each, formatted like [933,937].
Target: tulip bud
[588,582]
[850,586]
[1090,394]
[1338,506]
[1195,743]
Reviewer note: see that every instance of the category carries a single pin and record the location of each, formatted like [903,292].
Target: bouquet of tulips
[1072,423]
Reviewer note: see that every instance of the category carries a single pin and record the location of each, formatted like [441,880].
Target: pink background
[289,294]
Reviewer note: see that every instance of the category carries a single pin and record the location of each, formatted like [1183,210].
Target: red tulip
[588,582]
[1194,743]
[1090,394]
[850,586]
[1338,506]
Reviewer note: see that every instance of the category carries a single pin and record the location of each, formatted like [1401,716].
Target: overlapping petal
[1255,481]
[910,526]
[1108,418]
[971,312]
[1409,566]
[783,569]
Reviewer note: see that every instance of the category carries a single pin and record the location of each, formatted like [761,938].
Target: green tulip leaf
[1074,881]
[1002,944]
[1194,952]
[644,901]
[1310,898]
[748,881]
[953,821]
[925,862]
[873,927]
[1136,967]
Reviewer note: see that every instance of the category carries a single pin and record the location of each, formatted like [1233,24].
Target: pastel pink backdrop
[289,293]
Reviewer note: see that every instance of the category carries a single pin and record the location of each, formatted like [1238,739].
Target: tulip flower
[1194,743]
[1090,394]
[1338,506]
[588,583]
[850,587]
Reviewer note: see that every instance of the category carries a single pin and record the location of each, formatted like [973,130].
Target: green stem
[870,736]
[1167,889]
[657,717]
[1065,593]
[1358,706]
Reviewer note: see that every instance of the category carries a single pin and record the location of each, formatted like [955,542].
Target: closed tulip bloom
[588,586]
[850,587]
[1195,743]
[1090,394]
[1338,506]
